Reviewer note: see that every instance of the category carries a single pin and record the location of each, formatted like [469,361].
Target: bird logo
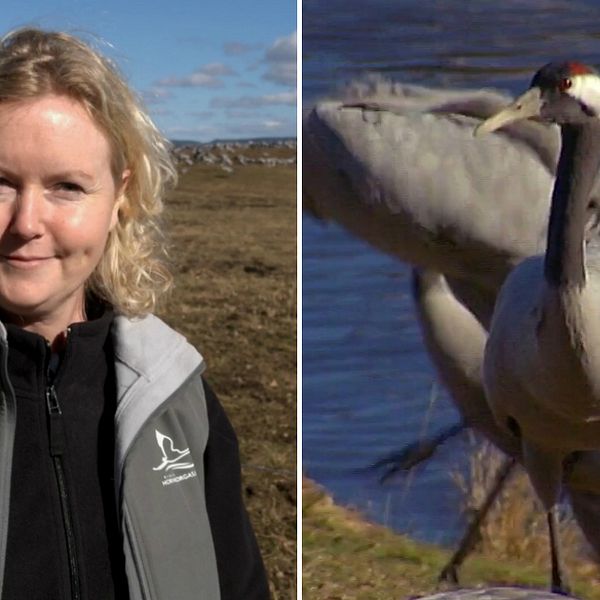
[172,458]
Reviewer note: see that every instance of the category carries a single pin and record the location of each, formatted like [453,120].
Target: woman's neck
[52,325]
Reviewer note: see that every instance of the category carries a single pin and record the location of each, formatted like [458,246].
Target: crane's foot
[449,574]
[562,589]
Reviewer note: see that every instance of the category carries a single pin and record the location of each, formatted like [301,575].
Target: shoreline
[347,557]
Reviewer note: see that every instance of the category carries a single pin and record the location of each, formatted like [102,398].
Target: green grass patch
[346,557]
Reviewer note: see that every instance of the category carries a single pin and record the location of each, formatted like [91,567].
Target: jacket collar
[151,362]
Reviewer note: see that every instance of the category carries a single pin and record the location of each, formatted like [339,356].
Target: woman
[119,471]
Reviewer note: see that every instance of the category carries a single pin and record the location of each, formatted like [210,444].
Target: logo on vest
[173,461]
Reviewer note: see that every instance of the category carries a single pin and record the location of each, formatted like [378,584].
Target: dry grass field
[233,249]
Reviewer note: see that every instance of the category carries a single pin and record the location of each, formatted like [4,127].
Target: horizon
[291,138]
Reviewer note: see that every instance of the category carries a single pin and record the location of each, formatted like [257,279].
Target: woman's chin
[32,308]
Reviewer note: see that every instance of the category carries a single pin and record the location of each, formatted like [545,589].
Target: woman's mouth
[24,262]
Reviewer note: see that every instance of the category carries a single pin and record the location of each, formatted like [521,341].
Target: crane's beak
[525,107]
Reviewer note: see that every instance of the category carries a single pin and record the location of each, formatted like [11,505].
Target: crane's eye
[565,84]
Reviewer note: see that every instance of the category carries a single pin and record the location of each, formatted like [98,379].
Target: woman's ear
[120,197]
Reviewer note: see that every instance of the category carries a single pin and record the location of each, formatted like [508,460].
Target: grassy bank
[347,558]
[234,256]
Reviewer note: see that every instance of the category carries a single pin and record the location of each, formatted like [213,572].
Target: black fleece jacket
[63,530]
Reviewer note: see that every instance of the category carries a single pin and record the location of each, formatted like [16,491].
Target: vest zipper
[57,448]
[8,424]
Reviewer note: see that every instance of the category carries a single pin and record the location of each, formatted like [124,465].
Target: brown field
[234,257]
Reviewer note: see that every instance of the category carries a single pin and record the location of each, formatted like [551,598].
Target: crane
[397,166]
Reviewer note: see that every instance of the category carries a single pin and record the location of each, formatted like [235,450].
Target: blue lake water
[368,386]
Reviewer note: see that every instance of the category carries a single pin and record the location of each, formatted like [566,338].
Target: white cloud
[197,79]
[217,69]
[160,111]
[283,49]
[196,132]
[281,61]
[288,98]
[236,113]
[272,124]
[252,102]
[156,95]
[207,76]
[203,114]
[268,127]
[238,48]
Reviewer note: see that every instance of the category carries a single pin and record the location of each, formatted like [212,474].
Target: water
[450,43]
[367,382]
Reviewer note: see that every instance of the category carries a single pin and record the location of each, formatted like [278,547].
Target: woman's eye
[6,188]
[70,187]
[67,189]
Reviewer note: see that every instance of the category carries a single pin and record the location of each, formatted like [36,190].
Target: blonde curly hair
[132,273]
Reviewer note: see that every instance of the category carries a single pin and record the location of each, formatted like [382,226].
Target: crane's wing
[400,168]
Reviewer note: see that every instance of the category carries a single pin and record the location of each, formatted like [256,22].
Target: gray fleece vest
[161,430]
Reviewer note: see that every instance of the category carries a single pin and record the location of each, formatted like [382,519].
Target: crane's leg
[415,453]
[560,584]
[450,571]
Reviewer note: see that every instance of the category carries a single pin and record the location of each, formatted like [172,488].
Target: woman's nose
[27,218]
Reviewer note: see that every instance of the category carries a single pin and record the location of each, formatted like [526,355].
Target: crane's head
[562,93]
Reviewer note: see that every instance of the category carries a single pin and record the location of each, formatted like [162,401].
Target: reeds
[516,526]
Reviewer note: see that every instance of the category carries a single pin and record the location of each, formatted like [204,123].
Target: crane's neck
[577,168]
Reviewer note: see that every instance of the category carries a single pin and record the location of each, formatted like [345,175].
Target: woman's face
[58,202]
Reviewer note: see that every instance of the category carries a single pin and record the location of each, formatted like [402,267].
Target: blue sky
[206,69]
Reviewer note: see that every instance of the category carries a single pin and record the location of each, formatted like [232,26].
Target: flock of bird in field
[495,203]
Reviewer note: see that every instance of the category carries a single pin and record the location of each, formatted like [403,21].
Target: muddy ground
[233,237]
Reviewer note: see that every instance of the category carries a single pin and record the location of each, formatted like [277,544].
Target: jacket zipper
[57,448]
[7,427]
